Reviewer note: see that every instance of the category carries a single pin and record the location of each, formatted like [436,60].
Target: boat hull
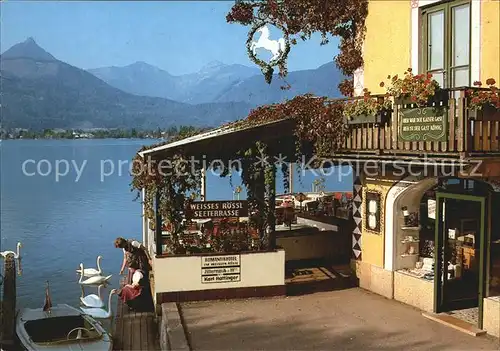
[57,326]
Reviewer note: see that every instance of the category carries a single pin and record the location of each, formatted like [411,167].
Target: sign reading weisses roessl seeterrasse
[217,209]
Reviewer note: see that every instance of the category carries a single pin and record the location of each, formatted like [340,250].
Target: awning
[226,140]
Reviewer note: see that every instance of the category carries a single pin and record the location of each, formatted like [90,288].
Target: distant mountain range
[40,91]
[217,82]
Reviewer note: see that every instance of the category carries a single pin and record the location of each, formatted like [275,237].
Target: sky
[177,36]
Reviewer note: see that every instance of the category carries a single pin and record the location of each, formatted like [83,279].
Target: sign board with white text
[217,209]
[220,269]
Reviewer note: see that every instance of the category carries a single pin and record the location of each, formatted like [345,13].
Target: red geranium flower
[490,81]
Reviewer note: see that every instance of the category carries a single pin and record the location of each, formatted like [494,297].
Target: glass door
[446,43]
[460,46]
[460,247]
[436,49]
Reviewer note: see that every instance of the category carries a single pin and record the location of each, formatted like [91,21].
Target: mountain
[218,82]
[39,91]
[212,80]
[28,49]
[322,81]
[139,78]
[204,86]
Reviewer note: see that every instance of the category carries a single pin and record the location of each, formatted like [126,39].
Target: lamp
[373,209]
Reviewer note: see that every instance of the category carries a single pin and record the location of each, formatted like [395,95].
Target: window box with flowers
[419,90]
[369,109]
[422,107]
[484,104]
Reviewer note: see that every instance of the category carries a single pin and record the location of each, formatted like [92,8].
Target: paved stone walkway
[351,319]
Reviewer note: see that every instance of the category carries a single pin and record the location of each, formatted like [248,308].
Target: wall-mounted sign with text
[217,209]
[424,124]
[220,269]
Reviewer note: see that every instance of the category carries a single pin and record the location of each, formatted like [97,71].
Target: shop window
[428,222]
[416,244]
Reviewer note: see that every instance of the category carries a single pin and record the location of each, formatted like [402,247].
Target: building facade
[427,232]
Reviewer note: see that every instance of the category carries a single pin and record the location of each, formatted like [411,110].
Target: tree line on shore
[98,133]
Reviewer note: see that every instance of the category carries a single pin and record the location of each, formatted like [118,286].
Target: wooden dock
[135,330]
[8,305]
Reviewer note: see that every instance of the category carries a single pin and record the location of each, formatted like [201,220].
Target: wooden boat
[62,327]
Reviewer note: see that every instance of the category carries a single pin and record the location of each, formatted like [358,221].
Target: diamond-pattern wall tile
[357,216]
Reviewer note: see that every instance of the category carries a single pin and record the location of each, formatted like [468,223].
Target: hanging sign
[423,124]
[278,48]
[217,209]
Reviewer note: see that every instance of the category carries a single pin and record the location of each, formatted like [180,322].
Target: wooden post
[145,228]
[290,177]
[203,190]
[9,303]
[259,190]
[271,203]
[159,225]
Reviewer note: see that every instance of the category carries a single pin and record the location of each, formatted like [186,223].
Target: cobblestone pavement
[348,319]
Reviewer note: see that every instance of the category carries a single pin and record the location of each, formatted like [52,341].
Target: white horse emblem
[276,47]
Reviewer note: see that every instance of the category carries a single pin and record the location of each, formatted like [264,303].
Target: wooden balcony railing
[465,136]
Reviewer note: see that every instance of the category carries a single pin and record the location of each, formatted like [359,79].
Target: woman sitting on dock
[135,295]
[135,256]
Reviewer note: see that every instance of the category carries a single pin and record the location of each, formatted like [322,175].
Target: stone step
[455,323]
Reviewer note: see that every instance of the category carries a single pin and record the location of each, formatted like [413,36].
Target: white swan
[90,272]
[93,300]
[96,279]
[16,254]
[100,313]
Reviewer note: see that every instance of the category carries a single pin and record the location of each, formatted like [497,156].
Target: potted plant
[419,90]
[484,104]
[369,109]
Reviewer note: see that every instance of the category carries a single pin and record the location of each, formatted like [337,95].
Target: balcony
[467,134]
[455,132]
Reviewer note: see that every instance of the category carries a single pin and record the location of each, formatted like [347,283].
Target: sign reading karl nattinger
[217,209]
[220,269]
[424,124]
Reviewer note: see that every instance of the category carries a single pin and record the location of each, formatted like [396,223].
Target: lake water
[62,220]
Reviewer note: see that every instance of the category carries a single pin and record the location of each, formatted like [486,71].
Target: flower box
[379,118]
[439,99]
[487,113]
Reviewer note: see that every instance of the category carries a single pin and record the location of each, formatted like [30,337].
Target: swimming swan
[100,313]
[93,300]
[16,254]
[90,272]
[96,279]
